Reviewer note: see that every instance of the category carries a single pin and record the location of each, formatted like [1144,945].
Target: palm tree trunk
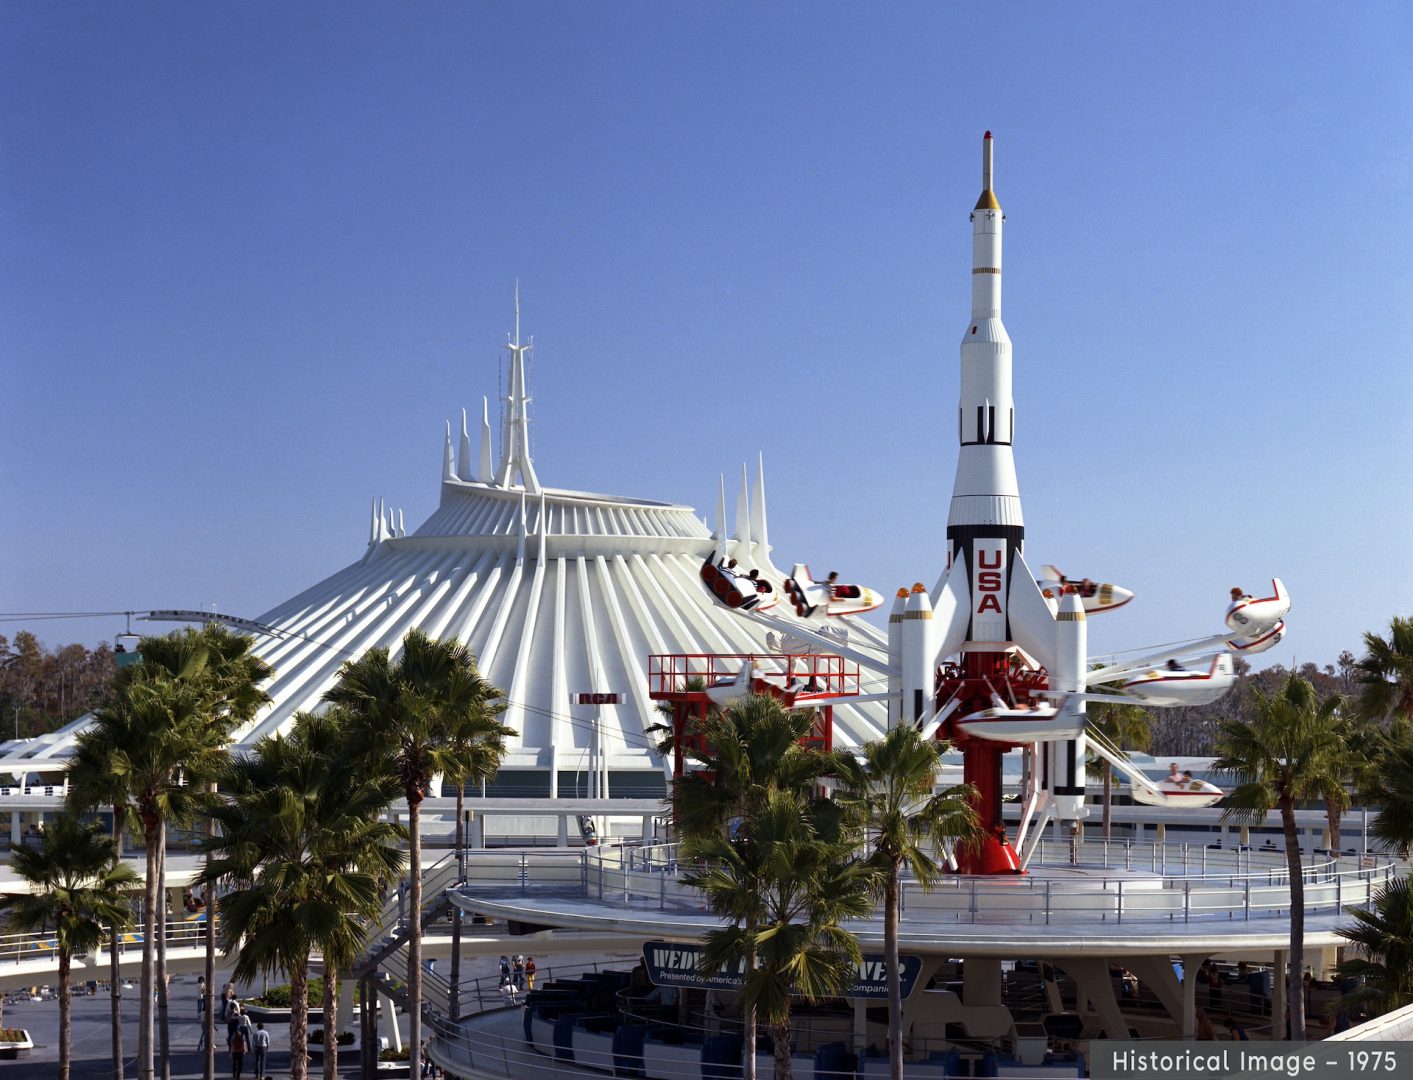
[331,1020]
[414,939]
[115,968]
[455,973]
[149,954]
[208,1017]
[1334,816]
[164,1042]
[1295,988]
[780,1035]
[66,1008]
[749,1017]
[895,982]
[299,1021]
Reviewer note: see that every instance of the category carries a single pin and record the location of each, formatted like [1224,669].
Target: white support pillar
[561,839]
[648,828]
[348,994]
[16,833]
[388,1015]
[860,1024]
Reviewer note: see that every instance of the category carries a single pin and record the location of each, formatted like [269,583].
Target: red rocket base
[980,675]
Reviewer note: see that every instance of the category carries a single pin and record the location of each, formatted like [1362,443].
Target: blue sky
[253,256]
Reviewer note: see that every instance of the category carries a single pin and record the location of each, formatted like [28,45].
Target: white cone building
[556,592]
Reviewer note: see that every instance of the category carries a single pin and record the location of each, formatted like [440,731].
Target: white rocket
[987,604]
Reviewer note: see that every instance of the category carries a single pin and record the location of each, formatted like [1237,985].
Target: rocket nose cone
[987,135]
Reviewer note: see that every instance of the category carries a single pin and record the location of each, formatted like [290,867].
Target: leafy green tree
[1284,756]
[1384,938]
[1385,673]
[404,714]
[76,888]
[889,792]
[301,844]
[787,881]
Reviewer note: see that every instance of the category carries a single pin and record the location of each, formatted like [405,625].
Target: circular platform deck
[1089,898]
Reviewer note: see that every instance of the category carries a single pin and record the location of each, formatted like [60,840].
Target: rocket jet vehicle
[995,657]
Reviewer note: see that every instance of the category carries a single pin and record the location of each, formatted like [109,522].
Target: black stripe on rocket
[985,432]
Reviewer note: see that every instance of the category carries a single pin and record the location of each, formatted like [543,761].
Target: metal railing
[1152,882]
[15,948]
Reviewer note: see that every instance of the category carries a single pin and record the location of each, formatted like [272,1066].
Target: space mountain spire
[515,462]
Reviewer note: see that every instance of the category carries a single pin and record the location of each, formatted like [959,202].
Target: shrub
[316,1036]
[279,997]
[394,1055]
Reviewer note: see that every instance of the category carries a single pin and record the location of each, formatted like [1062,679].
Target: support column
[1053,1001]
[981,982]
[561,839]
[860,1024]
[1190,964]
[16,833]
[648,829]
[388,1014]
[1156,972]
[346,996]
[1091,974]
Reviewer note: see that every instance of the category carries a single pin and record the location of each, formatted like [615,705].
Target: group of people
[1178,777]
[242,1036]
[516,975]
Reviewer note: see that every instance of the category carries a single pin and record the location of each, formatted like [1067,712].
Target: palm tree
[91,785]
[787,881]
[889,792]
[741,756]
[1394,822]
[301,842]
[1385,672]
[153,734]
[404,715]
[1127,726]
[76,888]
[477,743]
[1384,936]
[158,736]
[1284,756]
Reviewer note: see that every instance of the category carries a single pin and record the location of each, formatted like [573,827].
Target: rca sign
[597,699]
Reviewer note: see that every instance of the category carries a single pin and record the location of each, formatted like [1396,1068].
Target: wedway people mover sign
[672,964]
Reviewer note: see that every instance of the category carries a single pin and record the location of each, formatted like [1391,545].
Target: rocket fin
[1032,622]
[951,613]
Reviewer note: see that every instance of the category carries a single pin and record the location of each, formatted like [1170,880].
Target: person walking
[201,1012]
[517,972]
[262,1049]
[237,1049]
[530,971]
